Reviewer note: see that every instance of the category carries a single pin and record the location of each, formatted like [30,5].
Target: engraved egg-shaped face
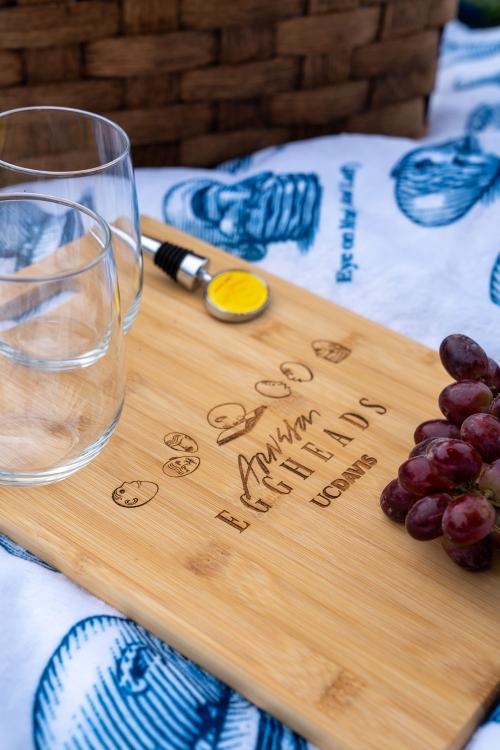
[134,494]
[181,442]
[273,388]
[296,372]
[180,466]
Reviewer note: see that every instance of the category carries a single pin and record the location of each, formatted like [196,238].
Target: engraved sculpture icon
[179,441]
[233,420]
[330,350]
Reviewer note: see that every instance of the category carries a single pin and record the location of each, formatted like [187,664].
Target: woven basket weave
[199,81]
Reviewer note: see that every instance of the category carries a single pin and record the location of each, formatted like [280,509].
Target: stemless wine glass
[84,158]
[61,339]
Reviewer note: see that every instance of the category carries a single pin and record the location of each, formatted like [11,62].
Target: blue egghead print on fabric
[245,217]
[438,184]
[474,83]
[17,551]
[454,51]
[495,282]
[35,232]
[111,685]
[482,117]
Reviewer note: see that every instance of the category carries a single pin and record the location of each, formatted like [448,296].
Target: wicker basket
[199,81]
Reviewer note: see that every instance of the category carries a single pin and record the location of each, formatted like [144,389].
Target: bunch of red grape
[450,485]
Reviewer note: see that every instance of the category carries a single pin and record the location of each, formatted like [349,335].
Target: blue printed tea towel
[401,232]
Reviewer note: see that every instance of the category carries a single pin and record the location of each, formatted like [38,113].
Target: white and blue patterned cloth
[403,232]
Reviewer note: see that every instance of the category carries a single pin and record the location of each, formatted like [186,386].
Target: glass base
[56,474]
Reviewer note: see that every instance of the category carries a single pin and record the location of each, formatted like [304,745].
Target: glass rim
[106,248]
[72,172]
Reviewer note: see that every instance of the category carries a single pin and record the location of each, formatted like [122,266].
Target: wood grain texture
[50,25]
[151,91]
[244,113]
[326,6]
[319,70]
[146,54]
[240,81]
[441,11]
[242,43]
[321,105]
[53,64]
[396,55]
[212,14]
[406,118]
[311,35]
[152,16]
[325,613]
[11,68]
[215,148]
[405,17]
[80,94]
[160,124]
[392,89]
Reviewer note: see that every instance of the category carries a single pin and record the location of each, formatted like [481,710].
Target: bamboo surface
[320,610]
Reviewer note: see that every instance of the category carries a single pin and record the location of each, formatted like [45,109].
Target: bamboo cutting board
[235,514]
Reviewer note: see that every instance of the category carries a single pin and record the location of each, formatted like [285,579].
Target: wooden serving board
[255,543]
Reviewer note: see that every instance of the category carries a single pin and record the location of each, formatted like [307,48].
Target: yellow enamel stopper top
[237,295]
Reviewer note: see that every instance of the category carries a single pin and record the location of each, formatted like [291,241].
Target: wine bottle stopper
[234,295]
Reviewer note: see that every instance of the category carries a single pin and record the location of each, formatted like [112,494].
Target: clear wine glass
[62,373]
[84,158]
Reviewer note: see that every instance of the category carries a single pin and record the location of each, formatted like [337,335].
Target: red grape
[483,432]
[417,475]
[495,407]
[444,488]
[468,519]
[463,358]
[459,400]
[455,460]
[493,377]
[424,519]
[473,557]
[396,501]
[489,481]
[435,428]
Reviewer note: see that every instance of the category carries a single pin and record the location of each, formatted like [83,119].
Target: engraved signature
[257,466]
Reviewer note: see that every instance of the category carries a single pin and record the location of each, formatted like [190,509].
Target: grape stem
[468,488]
[489,495]
[494,390]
